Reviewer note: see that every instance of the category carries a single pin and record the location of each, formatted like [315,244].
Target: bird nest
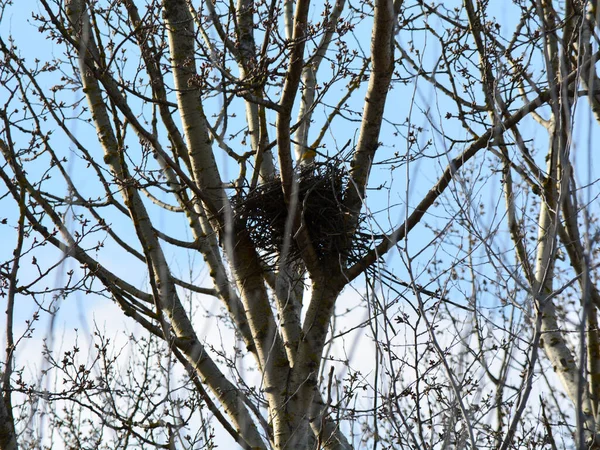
[263,213]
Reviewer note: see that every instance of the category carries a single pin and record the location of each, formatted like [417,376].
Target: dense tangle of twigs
[320,188]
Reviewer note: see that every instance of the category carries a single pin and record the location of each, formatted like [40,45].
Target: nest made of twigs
[262,211]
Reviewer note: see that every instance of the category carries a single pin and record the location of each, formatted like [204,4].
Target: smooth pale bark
[288,18]
[382,60]
[325,292]
[168,301]
[589,76]
[285,294]
[304,383]
[289,183]
[286,103]
[555,188]
[553,341]
[287,285]
[243,259]
[246,268]
[146,42]
[250,72]
[309,82]
[207,243]
[571,239]
[180,30]
[541,278]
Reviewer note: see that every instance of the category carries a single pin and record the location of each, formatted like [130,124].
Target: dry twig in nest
[263,213]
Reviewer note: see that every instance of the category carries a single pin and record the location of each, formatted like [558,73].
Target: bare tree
[406,177]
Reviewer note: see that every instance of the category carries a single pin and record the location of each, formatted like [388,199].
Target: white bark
[309,82]
[168,301]
[382,55]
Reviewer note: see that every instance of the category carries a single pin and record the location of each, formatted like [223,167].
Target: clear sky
[414,103]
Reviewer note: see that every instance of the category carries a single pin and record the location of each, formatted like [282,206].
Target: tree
[441,171]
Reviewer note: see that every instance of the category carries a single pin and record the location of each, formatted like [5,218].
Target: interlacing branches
[390,201]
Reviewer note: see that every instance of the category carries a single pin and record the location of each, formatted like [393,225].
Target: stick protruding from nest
[263,213]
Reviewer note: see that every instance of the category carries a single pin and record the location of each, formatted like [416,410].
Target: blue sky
[404,186]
